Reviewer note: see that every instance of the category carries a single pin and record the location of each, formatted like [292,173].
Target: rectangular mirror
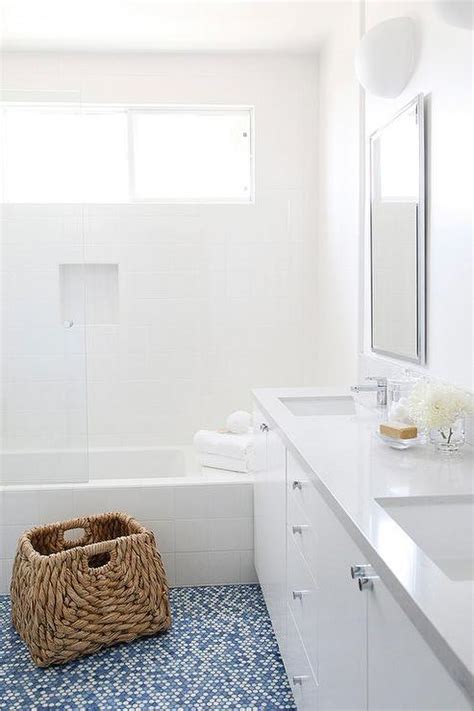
[397,236]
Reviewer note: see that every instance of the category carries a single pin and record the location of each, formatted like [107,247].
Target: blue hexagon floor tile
[220,654]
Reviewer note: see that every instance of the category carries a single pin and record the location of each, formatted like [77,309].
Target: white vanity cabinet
[270,523]
[344,648]
[403,672]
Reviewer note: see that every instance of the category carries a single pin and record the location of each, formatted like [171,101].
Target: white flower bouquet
[438,408]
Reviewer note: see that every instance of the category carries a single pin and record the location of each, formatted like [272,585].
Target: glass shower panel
[43,355]
[44,414]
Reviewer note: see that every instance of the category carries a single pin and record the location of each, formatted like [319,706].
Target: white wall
[213,300]
[444,75]
[339,214]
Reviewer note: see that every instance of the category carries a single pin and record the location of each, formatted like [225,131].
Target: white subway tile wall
[212,299]
[209,544]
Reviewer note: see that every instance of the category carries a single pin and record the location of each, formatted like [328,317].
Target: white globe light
[456,12]
[386,57]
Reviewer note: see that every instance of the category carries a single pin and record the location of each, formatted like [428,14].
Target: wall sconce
[386,57]
[456,12]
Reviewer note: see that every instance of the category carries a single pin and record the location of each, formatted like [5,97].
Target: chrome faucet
[379,386]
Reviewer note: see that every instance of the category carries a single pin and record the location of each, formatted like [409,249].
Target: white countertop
[352,467]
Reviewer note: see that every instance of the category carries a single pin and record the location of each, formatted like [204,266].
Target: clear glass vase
[398,395]
[448,440]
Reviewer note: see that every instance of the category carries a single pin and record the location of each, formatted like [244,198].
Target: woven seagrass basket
[72,597]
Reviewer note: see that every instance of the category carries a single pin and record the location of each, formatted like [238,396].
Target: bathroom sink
[319,405]
[442,526]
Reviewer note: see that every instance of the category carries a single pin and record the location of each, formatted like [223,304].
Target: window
[58,154]
[191,156]
[64,155]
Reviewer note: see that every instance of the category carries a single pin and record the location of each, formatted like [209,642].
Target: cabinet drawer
[302,681]
[303,532]
[301,489]
[302,599]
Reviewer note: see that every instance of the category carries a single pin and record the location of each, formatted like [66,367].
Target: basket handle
[79,523]
[101,547]
[90,552]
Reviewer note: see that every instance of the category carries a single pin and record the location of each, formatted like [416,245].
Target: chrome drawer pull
[298,594]
[363,573]
[300,679]
[299,528]
[297,485]
[358,570]
[366,582]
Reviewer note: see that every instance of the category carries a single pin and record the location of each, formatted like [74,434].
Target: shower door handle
[68,324]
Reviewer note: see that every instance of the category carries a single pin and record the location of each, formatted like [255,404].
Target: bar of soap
[398,430]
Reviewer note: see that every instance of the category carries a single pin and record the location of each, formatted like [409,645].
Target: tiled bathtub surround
[204,530]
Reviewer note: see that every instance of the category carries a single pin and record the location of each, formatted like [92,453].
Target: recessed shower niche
[88,293]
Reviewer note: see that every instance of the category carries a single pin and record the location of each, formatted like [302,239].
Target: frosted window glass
[54,156]
[192,155]
[105,157]
[59,154]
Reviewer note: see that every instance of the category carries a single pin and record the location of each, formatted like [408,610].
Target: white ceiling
[156,26]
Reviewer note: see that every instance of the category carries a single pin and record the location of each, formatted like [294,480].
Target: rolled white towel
[218,461]
[226,444]
[239,422]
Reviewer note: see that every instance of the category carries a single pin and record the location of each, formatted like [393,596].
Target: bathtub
[80,465]
[139,462]
[202,518]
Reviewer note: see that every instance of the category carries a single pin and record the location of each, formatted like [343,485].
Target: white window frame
[129,110]
[210,109]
